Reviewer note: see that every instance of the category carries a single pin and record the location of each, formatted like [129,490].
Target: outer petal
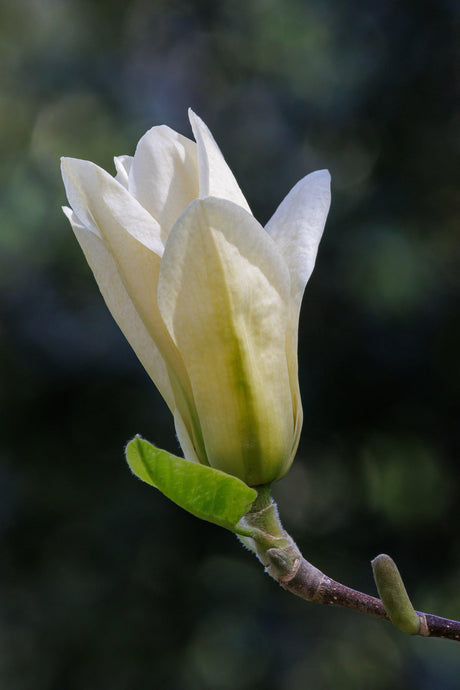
[100,202]
[164,175]
[216,178]
[128,232]
[223,293]
[297,226]
[185,440]
[121,306]
[131,236]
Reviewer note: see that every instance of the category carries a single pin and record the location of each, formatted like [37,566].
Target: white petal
[184,438]
[100,202]
[96,197]
[164,175]
[127,230]
[216,178]
[223,293]
[131,236]
[121,306]
[297,226]
[123,166]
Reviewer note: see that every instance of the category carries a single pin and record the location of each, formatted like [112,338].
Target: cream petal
[94,195]
[216,178]
[123,166]
[164,175]
[131,236]
[223,294]
[297,226]
[99,201]
[121,306]
[184,438]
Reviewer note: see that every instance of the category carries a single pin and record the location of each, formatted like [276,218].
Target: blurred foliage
[103,582]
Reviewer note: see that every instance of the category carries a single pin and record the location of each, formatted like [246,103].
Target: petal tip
[196,122]
[76,164]
[324,173]
[191,114]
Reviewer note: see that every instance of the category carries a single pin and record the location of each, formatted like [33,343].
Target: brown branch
[284,562]
[309,583]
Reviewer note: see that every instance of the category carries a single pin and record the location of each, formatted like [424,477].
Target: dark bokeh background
[104,583]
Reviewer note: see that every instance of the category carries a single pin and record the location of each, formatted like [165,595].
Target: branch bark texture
[307,582]
[284,562]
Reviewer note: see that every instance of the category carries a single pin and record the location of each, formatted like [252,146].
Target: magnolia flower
[208,299]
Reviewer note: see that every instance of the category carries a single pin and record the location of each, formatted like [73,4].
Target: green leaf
[203,491]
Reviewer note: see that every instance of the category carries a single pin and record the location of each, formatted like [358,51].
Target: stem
[284,562]
[309,583]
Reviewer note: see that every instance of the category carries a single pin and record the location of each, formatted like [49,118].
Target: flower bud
[208,298]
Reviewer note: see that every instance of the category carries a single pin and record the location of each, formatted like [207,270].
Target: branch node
[424,630]
[285,579]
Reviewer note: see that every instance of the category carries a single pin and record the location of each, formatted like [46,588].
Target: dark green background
[104,583]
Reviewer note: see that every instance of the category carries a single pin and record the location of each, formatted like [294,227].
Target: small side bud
[394,596]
